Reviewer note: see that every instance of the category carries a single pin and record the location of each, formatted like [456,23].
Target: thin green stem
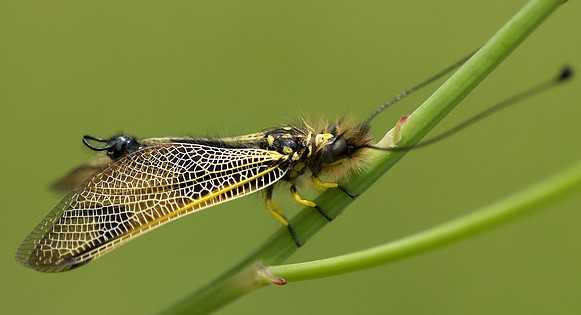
[242,279]
[549,190]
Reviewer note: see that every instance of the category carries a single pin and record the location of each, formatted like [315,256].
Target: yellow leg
[317,182]
[323,185]
[299,199]
[279,216]
[308,203]
[275,211]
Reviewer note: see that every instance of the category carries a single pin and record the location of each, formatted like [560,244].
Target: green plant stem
[242,279]
[549,190]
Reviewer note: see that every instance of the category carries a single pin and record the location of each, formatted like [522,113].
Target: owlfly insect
[133,185]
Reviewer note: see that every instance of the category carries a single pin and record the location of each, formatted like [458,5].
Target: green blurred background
[152,68]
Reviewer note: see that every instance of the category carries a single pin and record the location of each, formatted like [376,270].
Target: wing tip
[26,259]
[25,255]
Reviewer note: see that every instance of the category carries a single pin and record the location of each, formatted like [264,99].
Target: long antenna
[565,74]
[418,86]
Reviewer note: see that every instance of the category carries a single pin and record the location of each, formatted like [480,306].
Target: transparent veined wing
[78,175]
[140,192]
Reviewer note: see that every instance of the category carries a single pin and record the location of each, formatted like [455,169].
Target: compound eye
[118,147]
[339,147]
[335,151]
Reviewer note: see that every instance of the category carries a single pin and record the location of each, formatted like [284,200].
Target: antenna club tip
[565,74]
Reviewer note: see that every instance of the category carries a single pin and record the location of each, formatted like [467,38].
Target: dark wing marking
[140,192]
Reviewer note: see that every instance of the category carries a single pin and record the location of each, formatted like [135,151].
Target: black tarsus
[268,195]
[323,213]
[294,235]
[350,195]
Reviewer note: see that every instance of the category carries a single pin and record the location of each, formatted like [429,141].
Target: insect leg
[279,216]
[350,195]
[323,185]
[326,185]
[308,203]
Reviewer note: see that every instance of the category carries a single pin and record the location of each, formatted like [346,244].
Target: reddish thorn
[279,281]
[403,119]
